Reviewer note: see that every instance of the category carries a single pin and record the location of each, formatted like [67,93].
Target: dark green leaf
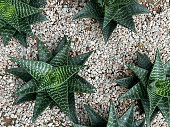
[35,18]
[21,37]
[37,3]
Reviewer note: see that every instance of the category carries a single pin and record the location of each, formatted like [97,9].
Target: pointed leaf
[35,18]
[72,108]
[29,87]
[128,118]
[9,13]
[7,33]
[37,69]
[140,72]
[113,120]
[136,92]
[144,62]
[128,82]
[91,10]
[158,69]
[24,98]
[164,106]
[139,123]
[42,102]
[60,95]
[37,3]
[26,9]
[21,37]
[95,119]
[20,73]
[44,54]
[61,57]
[153,100]
[60,46]
[80,59]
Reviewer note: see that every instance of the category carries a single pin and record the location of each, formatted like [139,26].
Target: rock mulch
[105,65]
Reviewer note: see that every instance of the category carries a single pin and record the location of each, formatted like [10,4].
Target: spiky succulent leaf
[58,76]
[37,3]
[140,72]
[110,13]
[153,100]
[139,123]
[158,71]
[24,98]
[29,87]
[19,15]
[44,54]
[144,61]
[43,100]
[20,73]
[164,106]
[113,120]
[167,69]
[128,82]
[95,119]
[37,69]
[7,32]
[128,118]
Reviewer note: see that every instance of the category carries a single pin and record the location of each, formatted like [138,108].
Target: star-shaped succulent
[109,13]
[52,80]
[16,16]
[150,85]
[126,120]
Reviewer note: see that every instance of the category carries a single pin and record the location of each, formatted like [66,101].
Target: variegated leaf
[20,73]
[60,95]
[26,9]
[21,37]
[29,87]
[136,92]
[128,118]
[7,33]
[24,98]
[2,23]
[58,76]
[154,99]
[158,69]
[43,100]
[37,69]
[35,18]
[140,72]
[113,120]
[164,106]
[128,82]
[95,119]
[144,62]
[44,54]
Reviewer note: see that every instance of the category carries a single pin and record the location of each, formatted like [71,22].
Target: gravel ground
[105,65]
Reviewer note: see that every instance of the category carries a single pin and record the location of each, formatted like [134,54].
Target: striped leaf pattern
[113,120]
[164,106]
[19,14]
[140,72]
[37,69]
[109,13]
[50,85]
[153,89]
[167,69]
[60,95]
[158,69]
[29,87]
[43,100]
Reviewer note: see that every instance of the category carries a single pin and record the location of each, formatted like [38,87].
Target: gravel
[105,65]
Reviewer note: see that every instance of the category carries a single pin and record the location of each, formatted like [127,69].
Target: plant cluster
[16,16]
[150,85]
[109,13]
[53,79]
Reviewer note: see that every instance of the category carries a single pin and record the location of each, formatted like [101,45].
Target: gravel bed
[105,65]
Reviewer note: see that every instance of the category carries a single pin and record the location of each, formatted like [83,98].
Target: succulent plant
[150,85]
[109,13]
[16,16]
[126,120]
[52,80]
